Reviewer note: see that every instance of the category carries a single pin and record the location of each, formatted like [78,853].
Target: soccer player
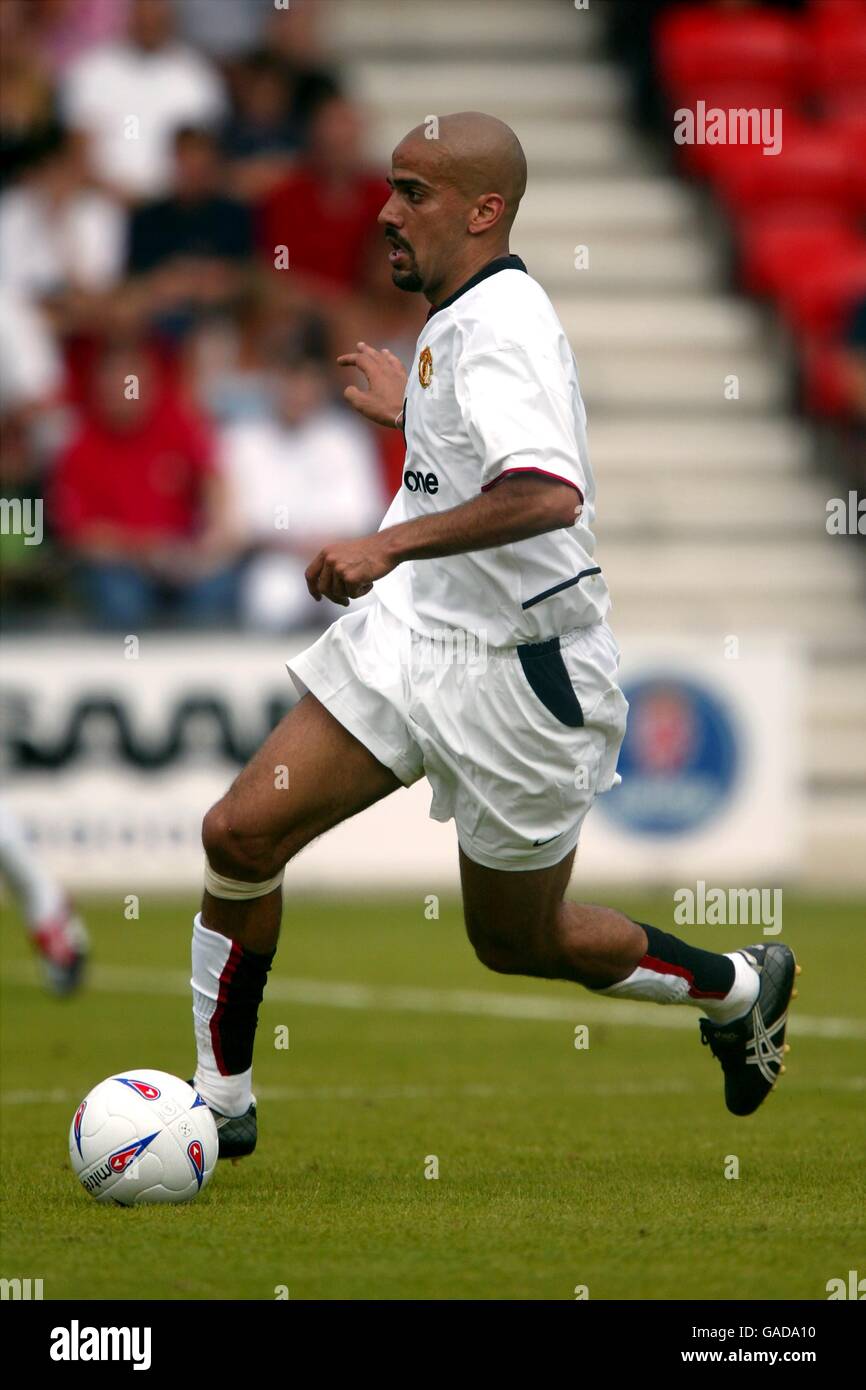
[484,660]
[56,931]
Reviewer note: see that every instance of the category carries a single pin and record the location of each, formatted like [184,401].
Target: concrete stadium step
[394,27]
[616,263]
[750,570]
[553,148]
[691,450]
[695,323]
[637,205]
[640,381]
[417,87]
[656,505]
[816,620]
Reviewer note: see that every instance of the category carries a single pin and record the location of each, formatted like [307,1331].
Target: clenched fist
[347,569]
[382,402]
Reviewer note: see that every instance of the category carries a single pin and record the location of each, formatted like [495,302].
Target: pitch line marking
[307,1094]
[581,1008]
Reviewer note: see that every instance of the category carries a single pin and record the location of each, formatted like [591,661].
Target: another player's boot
[62,946]
[751,1048]
[237,1134]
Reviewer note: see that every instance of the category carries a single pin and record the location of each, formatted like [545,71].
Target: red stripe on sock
[226,978]
[665,967]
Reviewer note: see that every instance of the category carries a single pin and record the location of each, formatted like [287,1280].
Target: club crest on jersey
[121,1159]
[76,1124]
[425,367]
[195,1154]
[144,1088]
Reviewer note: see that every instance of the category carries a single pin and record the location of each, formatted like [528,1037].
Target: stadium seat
[695,45]
[819,8]
[817,302]
[813,170]
[826,378]
[837,43]
[846,124]
[775,248]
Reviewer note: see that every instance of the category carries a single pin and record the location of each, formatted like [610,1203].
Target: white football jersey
[493,390]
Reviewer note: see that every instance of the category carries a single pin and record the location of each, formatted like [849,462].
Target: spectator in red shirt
[139,503]
[325,211]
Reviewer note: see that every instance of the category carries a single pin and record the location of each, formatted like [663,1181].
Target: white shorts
[516,742]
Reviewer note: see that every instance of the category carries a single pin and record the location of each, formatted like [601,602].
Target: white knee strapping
[234,889]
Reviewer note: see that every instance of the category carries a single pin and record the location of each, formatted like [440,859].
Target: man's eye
[414,195]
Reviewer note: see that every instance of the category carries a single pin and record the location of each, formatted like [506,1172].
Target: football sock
[42,899]
[723,986]
[228,982]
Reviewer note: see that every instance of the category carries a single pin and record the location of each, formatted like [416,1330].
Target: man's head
[197,163]
[300,375]
[150,24]
[335,138]
[456,184]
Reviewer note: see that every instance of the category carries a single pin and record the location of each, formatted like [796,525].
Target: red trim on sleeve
[529,469]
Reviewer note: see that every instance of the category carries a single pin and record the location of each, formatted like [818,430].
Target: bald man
[484,660]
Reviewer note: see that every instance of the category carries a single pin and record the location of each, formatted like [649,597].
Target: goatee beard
[408,280]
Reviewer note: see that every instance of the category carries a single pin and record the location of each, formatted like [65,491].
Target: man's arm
[522,505]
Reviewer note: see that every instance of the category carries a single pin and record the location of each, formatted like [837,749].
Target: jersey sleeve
[519,415]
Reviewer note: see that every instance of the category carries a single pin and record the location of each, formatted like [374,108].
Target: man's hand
[347,569]
[382,402]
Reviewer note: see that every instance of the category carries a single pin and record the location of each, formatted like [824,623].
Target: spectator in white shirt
[61,243]
[305,472]
[31,371]
[128,98]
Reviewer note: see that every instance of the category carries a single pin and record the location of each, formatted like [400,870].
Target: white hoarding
[114,751]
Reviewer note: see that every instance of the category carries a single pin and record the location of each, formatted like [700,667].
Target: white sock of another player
[228,982]
[42,900]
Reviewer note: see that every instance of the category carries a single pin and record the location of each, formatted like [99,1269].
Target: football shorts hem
[544,857]
[307,677]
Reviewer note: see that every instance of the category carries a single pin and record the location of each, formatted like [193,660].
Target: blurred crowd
[188,238]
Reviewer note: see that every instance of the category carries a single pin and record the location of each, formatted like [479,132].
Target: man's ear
[486,213]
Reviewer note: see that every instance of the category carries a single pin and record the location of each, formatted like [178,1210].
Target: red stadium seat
[819,300]
[776,249]
[812,171]
[827,385]
[696,45]
[846,123]
[835,7]
[837,43]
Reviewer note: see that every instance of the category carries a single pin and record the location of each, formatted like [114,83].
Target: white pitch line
[581,1008]
[673,1086]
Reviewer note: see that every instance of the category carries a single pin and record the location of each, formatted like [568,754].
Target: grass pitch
[558,1167]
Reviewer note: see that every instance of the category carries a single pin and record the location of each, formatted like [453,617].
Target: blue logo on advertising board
[679,761]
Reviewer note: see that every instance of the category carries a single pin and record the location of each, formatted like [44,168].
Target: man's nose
[389,216]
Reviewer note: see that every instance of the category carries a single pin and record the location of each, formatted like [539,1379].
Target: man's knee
[496,951]
[235,849]
[530,947]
